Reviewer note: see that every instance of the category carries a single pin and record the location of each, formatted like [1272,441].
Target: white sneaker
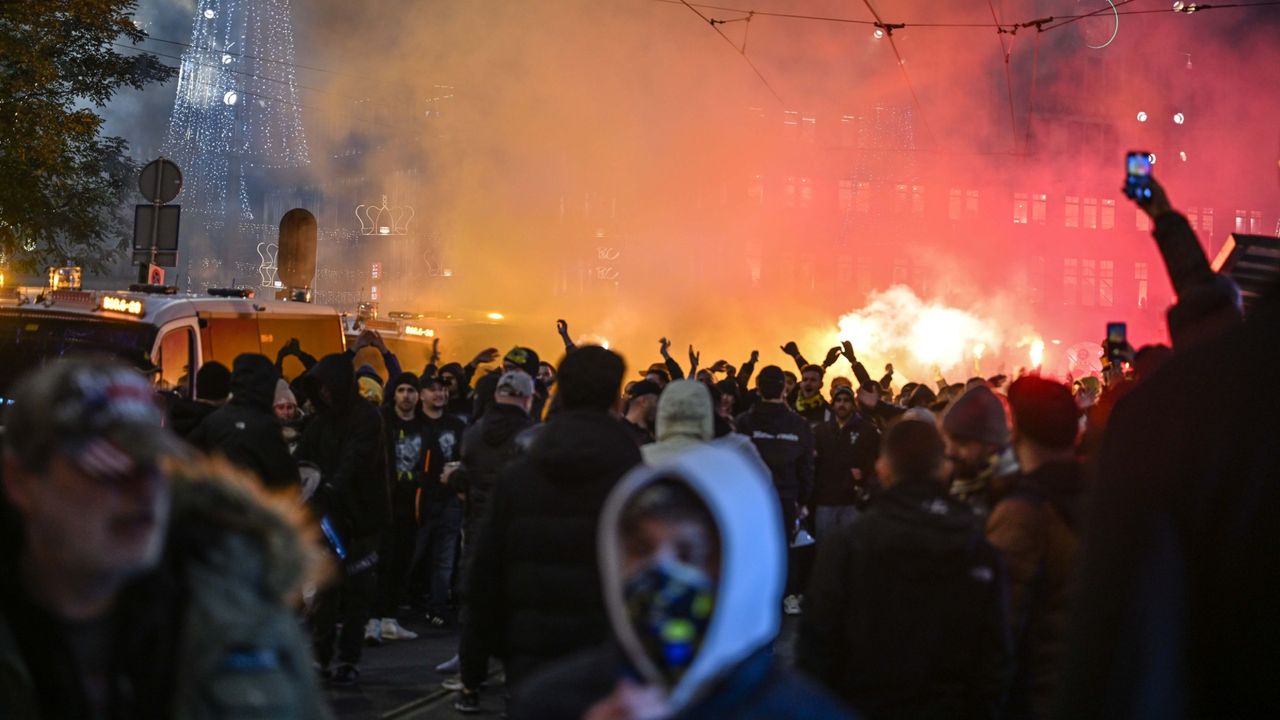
[452,665]
[791,604]
[373,632]
[391,630]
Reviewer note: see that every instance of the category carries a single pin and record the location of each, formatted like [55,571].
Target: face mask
[670,606]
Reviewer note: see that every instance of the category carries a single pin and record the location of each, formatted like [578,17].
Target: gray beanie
[978,415]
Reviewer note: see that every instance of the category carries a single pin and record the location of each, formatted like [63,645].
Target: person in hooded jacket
[905,614]
[534,588]
[246,429]
[1035,524]
[344,440]
[690,553]
[213,385]
[686,421]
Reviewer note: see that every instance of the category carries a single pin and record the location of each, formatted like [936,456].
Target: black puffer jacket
[535,587]
[785,443]
[345,441]
[245,429]
[842,448]
[487,448]
[905,614]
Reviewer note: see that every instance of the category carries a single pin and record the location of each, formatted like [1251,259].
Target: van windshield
[27,340]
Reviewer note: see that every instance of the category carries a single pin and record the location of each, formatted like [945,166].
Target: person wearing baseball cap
[128,562]
[642,410]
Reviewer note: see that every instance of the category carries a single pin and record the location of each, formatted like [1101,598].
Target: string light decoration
[237,103]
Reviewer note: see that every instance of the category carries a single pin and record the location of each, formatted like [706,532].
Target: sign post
[155,226]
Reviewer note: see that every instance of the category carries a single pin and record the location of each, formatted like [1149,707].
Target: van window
[317,335]
[175,361]
[28,340]
[226,336]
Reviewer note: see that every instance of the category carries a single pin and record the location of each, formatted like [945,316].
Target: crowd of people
[627,545]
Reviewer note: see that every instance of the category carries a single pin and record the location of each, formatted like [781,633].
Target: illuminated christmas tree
[237,104]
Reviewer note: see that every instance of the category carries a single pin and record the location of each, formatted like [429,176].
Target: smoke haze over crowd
[568,128]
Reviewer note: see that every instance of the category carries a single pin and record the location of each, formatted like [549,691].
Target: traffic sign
[160,181]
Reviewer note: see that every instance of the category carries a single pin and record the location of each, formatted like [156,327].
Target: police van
[155,328]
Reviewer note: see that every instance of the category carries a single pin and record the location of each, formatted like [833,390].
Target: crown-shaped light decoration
[384,219]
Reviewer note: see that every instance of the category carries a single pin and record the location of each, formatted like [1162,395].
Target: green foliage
[64,188]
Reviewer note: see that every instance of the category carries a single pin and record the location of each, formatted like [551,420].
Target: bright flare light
[495,316]
[978,350]
[1037,352]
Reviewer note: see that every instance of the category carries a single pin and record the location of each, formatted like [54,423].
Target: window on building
[1039,207]
[1206,221]
[844,271]
[971,203]
[1193,218]
[1021,209]
[1088,282]
[809,129]
[1037,280]
[1142,222]
[1070,280]
[955,204]
[1106,283]
[1241,218]
[755,190]
[806,193]
[900,199]
[848,131]
[917,200]
[1255,222]
[789,192]
[1090,214]
[862,198]
[846,195]
[791,125]
[1073,211]
[1140,275]
[1108,219]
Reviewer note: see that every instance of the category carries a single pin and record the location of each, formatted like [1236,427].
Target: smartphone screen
[1137,183]
[1117,335]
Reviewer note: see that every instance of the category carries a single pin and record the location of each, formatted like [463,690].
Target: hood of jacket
[335,373]
[684,410]
[752,564]
[253,381]
[926,531]
[502,422]
[579,444]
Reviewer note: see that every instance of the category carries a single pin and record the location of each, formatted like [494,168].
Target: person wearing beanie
[213,383]
[245,429]
[847,448]
[407,446]
[288,414]
[1035,524]
[785,442]
[976,429]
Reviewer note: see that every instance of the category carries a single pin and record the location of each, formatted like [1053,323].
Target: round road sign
[160,181]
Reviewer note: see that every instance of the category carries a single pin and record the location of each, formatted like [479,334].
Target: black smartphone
[1117,337]
[1137,181]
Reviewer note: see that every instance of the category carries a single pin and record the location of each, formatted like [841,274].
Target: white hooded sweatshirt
[752,571]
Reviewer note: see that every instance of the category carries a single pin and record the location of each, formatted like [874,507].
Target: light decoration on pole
[1142,116]
[237,99]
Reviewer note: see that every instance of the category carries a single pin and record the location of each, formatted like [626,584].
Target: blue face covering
[670,605]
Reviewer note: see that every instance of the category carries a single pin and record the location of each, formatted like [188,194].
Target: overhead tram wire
[741,51]
[1007,52]
[888,28]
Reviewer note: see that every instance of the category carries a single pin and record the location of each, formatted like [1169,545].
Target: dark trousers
[473,651]
[435,550]
[347,601]
[394,561]
[790,512]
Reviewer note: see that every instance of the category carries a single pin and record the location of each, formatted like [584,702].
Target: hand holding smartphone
[1137,181]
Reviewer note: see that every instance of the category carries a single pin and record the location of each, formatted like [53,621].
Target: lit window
[1255,222]
[1039,205]
[1106,283]
[1108,214]
[1206,221]
[809,129]
[1193,217]
[1070,280]
[1140,275]
[1021,209]
[1073,211]
[1240,221]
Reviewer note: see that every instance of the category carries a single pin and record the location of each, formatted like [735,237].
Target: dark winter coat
[785,443]
[757,689]
[345,441]
[246,429]
[1175,611]
[840,449]
[905,614]
[208,635]
[534,586]
[1035,525]
[185,414]
[487,448]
